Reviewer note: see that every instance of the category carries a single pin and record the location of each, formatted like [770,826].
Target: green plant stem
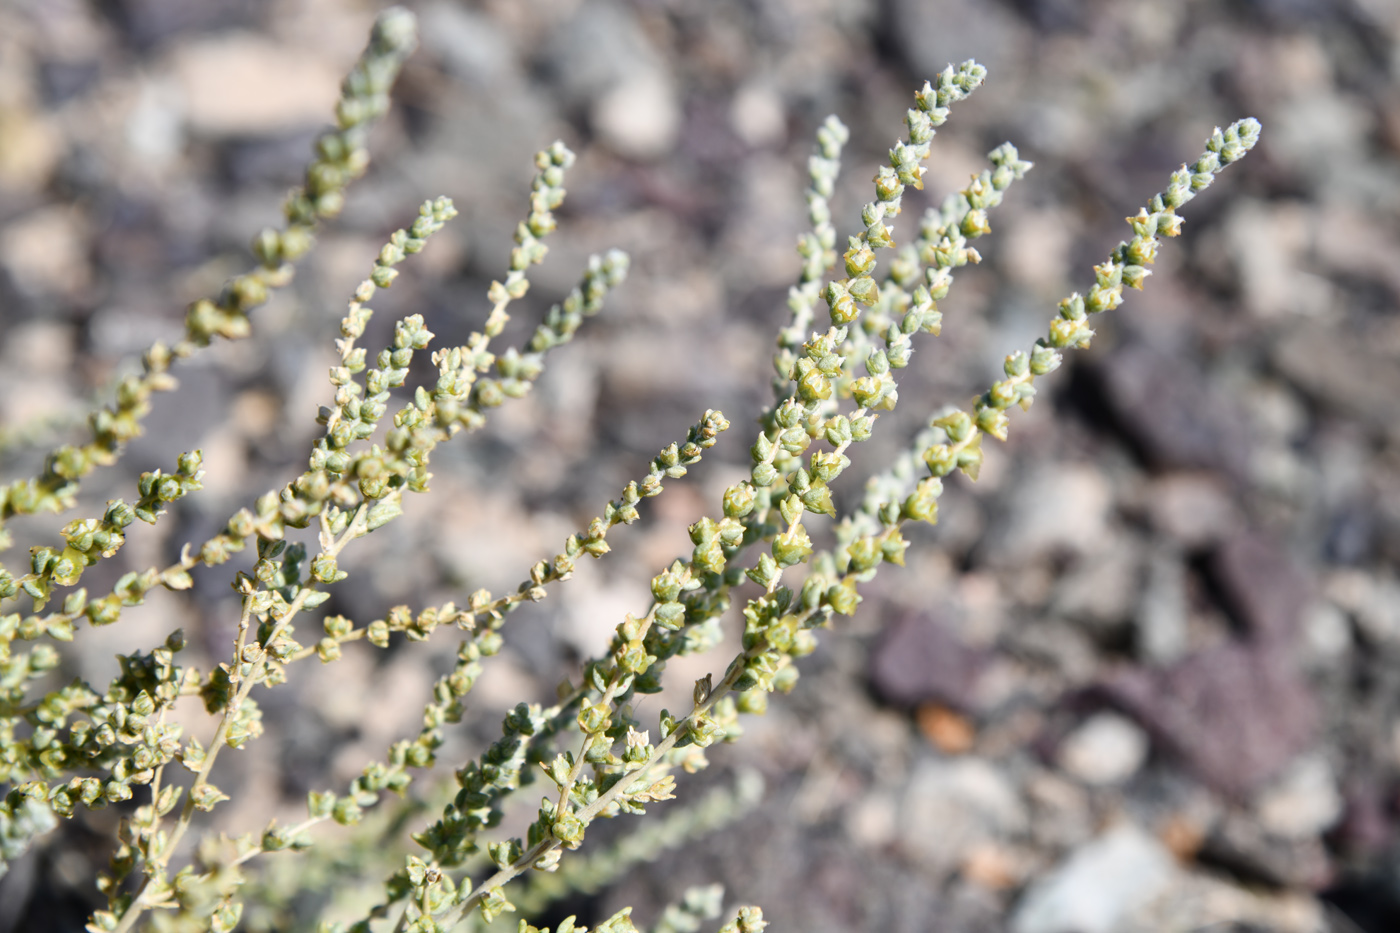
[243,686]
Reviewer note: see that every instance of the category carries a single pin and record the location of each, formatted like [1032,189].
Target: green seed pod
[738,500]
[843,598]
[792,546]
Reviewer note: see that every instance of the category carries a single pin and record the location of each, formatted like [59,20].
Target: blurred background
[1142,676]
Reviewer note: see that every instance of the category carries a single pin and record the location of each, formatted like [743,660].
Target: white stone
[757,115]
[244,84]
[1268,243]
[1057,507]
[640,116]
[1326,633]
[1108,749]
[1193,508]
[471,45]
[1098,885]
[45,252]
[1162,618]
[154,126]
[950,805]
[1303,802]
[1037,248]
[873,821]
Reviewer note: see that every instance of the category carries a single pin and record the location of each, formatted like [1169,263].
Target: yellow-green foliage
[84,746]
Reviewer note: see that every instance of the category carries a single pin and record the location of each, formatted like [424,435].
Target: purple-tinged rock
[1262,587]
[919,660]
[1236,714]
[1168,410]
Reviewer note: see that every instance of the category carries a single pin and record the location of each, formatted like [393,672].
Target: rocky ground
[1142,676]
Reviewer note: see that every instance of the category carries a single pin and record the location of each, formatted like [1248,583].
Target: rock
[1165,406]
[1297,13]
[1367,826]
[595,49]
[1262,587]
[1193,508]
[150,22]
[931,35]
[1237,714]
[31,146]
[1060,815]
[950,732]
[758,115]
[1320,135]
[1342,370]
[63,80]
[1099,592]
[1163,611]
[919,660]
[994,867]
[640,117]
[1303,803]
[267,159]
[602,60]
[1107,749]
[1240,846]
[951,805]
[1098,885]
[1268,243]
[470,45]
[45,252]
[1355,244]
[1351,533]
[590,618]
[1058,508]
[1326,635]
[1035,251]
[245,85]
[1372,600]
[1204,902]
[1059,645]
[872,821]
[1053,15]
[155,124]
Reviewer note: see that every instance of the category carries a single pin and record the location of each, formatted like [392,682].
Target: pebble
[1207,903]
[919,660]
[1342,370]
[932,34]
[1268,243]
[1194,508]
[30,148]
[758,115]
[1061,507]
[470,45]
[1241,846]
[1098,885]
[951,805]
[245,85]
[1237,714]
[1107,749]
[45,252]
[1372,600]
[1326,634]
[1164,403]
[1162,620]
[640,117]
[148,23]
[1262,586]
[1303,803]
[1099,592]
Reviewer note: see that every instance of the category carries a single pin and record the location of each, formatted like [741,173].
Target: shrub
[83,747]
